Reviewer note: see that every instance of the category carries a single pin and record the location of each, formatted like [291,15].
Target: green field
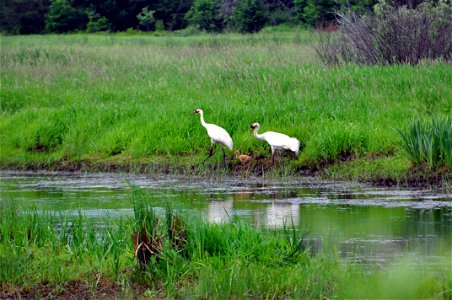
[126,100]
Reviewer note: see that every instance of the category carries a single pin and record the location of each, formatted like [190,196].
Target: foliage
[360,7]
[97,23]
[171,12]
[311,12]
[249,16]
[23,16]
[386,4]
[322,12]
[280,17]
[430,143]
[205,15]
[63,17]
[146,18]
[280,12]
[159,26]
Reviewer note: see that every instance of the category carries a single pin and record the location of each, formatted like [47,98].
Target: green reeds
[429,142]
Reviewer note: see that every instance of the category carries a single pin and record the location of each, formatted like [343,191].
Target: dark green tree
[204,15]
[121,14]
[63,17]
[171,12]
[311,12]
[23,16]
[249,15]
[298,9]
[280,11]
[97,23]
[358,6]
[146,18]
[321,12]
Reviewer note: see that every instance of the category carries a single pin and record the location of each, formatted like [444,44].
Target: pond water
[364,223]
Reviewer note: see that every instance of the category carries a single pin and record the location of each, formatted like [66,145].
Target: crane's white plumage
[277,141]
[219,135]
[216,134]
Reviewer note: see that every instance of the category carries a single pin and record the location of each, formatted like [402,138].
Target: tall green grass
[128,98]
[429,142]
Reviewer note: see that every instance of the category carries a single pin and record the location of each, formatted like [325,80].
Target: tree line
[60,16]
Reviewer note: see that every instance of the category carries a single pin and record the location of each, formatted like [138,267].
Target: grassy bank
[107,100]
[49,254]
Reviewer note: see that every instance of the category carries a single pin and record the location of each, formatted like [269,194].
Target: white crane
[276,140]
[216,134]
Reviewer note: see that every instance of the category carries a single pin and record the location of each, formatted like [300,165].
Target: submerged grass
[50,254]
[113,98]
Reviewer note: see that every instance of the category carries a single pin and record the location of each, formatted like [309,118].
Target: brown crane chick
[244,159]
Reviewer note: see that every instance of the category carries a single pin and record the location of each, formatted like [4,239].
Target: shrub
[391,36]
[430,143]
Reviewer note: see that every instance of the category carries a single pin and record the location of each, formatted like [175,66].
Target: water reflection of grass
[45,254]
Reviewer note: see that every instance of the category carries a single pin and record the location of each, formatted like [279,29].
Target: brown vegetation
[393,36]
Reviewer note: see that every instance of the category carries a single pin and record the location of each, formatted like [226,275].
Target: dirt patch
[419,176]
[74,289]
[375,155]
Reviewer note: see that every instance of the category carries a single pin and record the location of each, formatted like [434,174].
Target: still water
[364,223]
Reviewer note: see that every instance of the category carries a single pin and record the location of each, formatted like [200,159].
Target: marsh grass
[113,98]
[429,142]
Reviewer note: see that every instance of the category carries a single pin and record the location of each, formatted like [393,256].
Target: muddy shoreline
[417,177]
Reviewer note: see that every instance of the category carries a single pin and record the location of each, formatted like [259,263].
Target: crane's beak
[251,131]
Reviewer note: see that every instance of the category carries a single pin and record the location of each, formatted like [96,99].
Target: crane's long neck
[257,135]
[201,114]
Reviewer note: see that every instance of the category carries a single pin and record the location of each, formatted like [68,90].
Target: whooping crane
[216,134]
[276,140]
[244,159]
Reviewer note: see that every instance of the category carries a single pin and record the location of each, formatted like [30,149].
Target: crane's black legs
[212,146]
[210,152]
[224,155]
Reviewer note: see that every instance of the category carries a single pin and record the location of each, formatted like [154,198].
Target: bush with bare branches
[391,36]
